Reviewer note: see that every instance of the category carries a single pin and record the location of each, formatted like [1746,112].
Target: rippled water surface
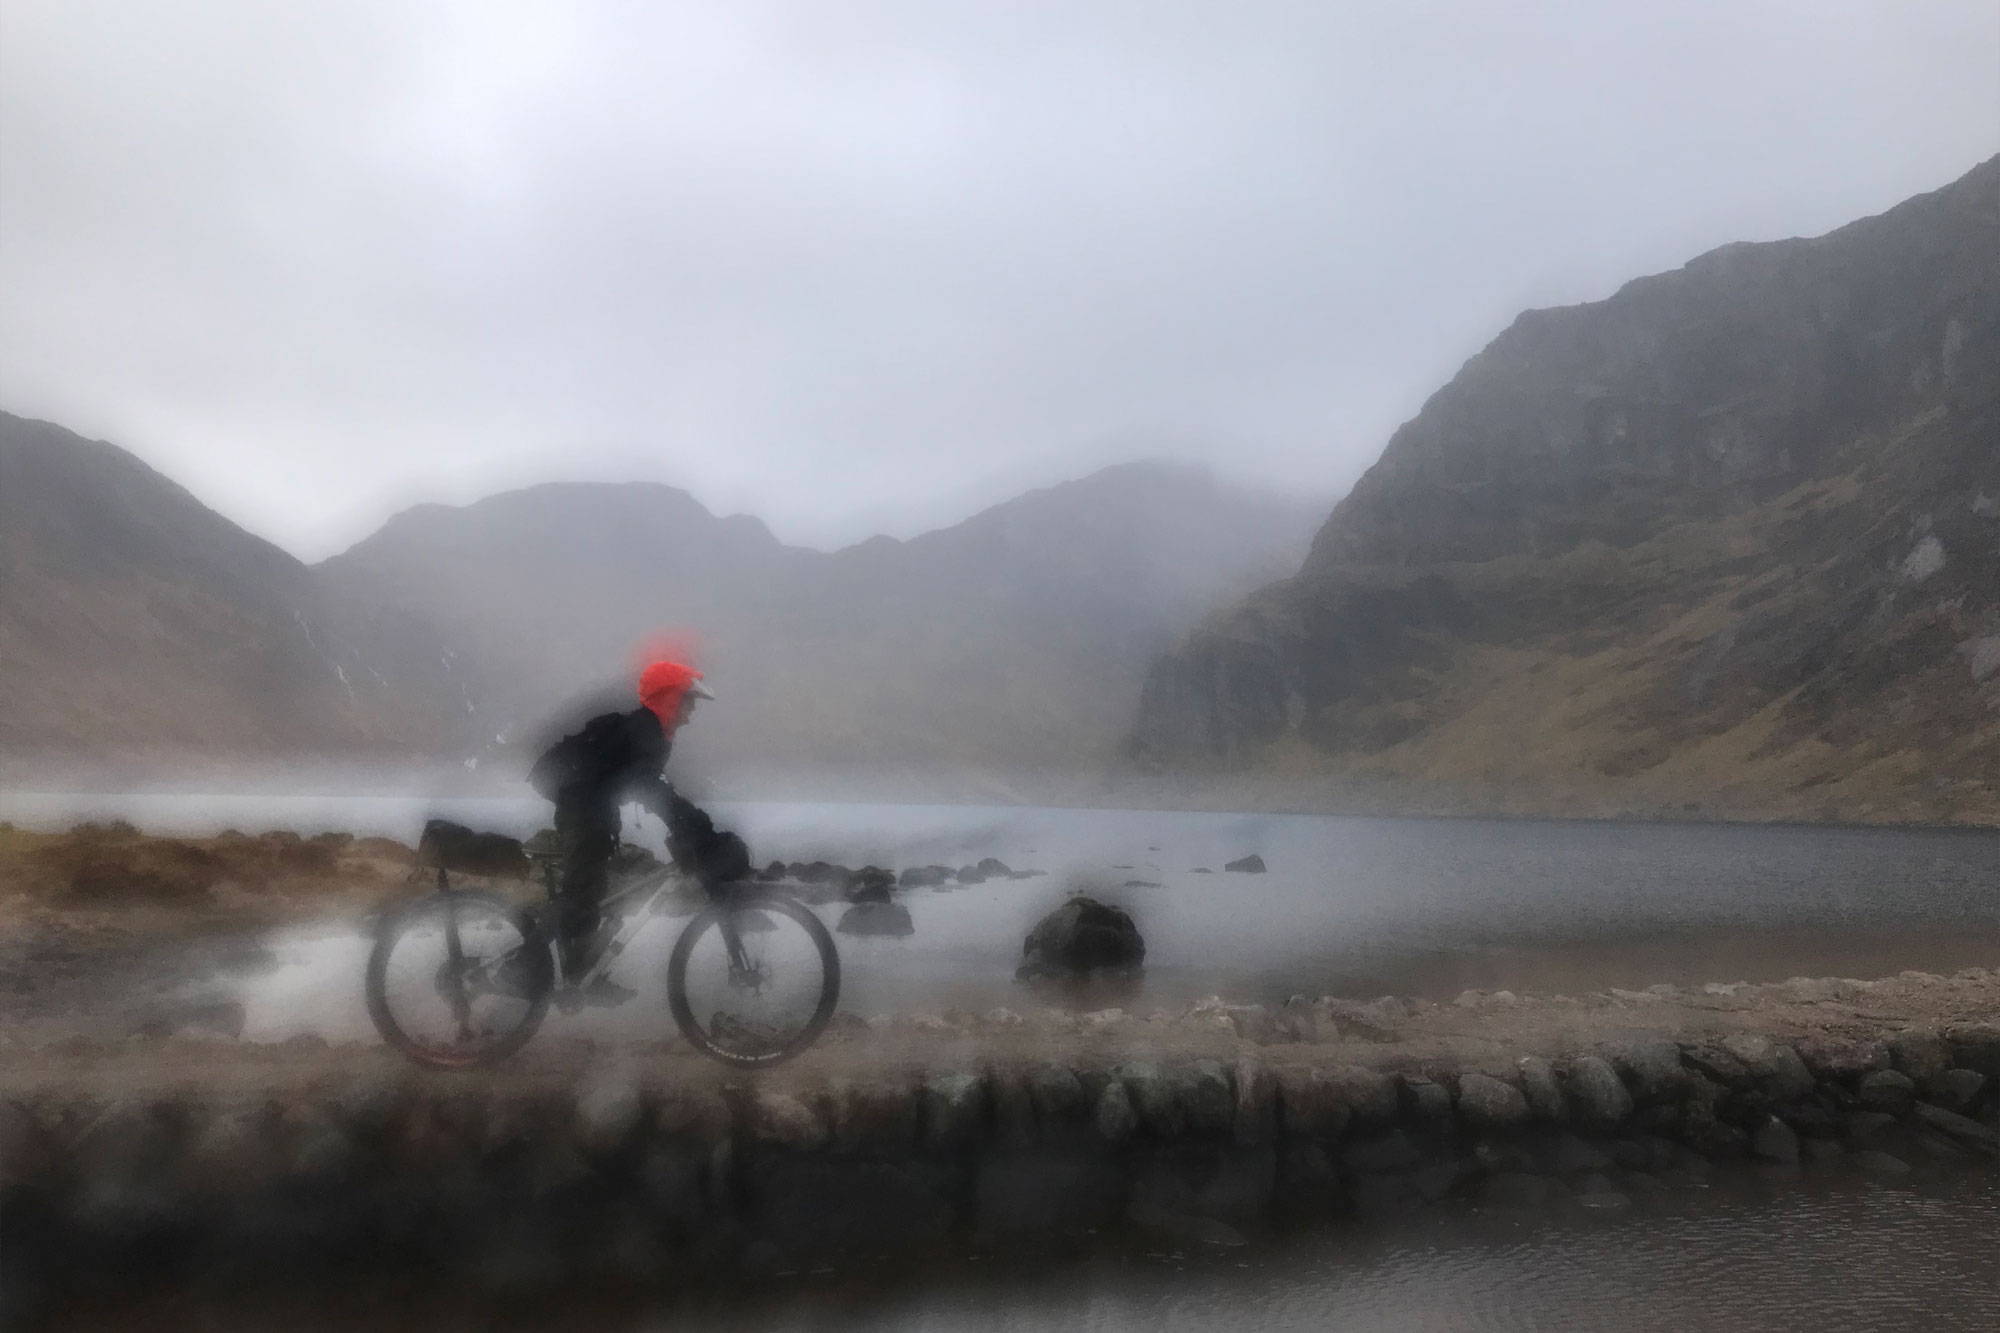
[1818,1259]
[1825,1260]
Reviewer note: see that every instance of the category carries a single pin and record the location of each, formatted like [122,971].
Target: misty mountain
[1016,639]
[134,620]
[1728,542]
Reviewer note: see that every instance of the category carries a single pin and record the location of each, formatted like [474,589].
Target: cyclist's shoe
[600,993]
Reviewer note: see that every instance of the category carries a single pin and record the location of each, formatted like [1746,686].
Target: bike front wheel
[752,980]
[458,979]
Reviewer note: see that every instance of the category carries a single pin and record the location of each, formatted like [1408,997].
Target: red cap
[662,685]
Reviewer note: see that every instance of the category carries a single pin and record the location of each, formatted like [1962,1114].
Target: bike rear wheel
[459,979]
[752,981]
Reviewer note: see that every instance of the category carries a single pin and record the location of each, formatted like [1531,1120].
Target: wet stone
[1115,1118]
[1976,1046]
[1865,1126]
[1368,1093]
[609,1112]
[1539,1087]
[1920,1053]
[1880,1164]
[1013,1108]
[1428,1103]
[1597,1095]
[954,1109]
[1845,1060]
[1955,1126]
[1774,1141]
[1715,1062]
[1488,1104]
[875,1116]
[1392,1151]
[1573,1155]
[785,1121]
[1208,1103]
[1775,1068]
[1312,1104]
[1886,1090]
[1956,1089]
[1058,1094]
[1256,1110]
[1814,1120]
[1652,1068]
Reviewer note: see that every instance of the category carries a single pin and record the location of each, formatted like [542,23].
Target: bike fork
[732,940]
[454,952]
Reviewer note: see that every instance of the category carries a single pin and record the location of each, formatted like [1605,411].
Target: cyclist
[613,759]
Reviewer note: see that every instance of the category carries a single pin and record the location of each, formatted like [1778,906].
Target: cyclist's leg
[588,830]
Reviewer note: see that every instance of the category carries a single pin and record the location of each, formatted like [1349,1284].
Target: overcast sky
[864,266]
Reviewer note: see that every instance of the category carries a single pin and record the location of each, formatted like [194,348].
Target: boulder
[1485,1103]
[1774,1141]
[1881,1164]
[876,918]
[1956,1089]
[1600,1100]
[924,877]
[1966,1131]
[1539,1087]
[1976,1046]
[1773,1067]
[1922,1053]
[1653,1068]
[870,884]
[1312,1104]
[971,875]
[1886,1090]
[992,867]
[1252,864]
[1083,937]
[1833,1058]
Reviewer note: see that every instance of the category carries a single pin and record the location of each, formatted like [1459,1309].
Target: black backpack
[585,756]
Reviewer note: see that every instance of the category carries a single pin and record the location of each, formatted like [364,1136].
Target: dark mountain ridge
[1728,541]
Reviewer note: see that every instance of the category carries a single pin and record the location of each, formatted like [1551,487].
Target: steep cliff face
[1728,541]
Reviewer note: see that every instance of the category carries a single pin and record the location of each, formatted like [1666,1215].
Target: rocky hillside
[1014,641]
[1727,543]
[135,621]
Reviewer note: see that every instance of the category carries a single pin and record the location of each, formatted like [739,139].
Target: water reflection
[1815,1259]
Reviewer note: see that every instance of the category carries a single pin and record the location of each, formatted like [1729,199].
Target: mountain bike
[460,977]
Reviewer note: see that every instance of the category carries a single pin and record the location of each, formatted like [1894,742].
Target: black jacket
[620,757]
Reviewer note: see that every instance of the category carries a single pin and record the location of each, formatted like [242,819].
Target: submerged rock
[870,884]
[876,918]
[1252,864]
[1081,938]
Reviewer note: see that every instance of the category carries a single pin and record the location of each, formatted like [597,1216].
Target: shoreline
[1975,821]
